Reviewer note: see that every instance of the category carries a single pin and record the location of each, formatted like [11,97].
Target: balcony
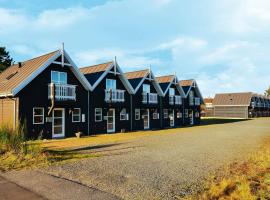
[197,101]
[178,100]
[62,92]
[114,96]
[151,98]
[171,100]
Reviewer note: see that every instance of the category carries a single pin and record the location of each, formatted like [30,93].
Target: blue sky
[223,44]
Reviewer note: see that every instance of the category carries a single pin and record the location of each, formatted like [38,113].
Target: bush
[12,139]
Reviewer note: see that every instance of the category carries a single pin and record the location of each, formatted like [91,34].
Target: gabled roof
[16,77]
[166,81]
[208,100]
[136,79]
[95,74]
[188,84]
[241,98]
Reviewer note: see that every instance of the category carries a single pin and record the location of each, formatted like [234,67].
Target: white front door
[111,121]
[191,117]
[171,116]
[146,124]
[58,123]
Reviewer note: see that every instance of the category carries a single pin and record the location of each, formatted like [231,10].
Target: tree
[5,59]
[267,92]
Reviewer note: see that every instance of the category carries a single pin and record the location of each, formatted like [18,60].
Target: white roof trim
[155,83]
[35,73]
[196,89]
[121,77]
[178,87]
[73,68]
[77,73]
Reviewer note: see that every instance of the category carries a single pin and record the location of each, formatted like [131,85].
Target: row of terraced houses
[56,99]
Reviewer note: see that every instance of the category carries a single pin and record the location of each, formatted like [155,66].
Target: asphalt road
[161,166]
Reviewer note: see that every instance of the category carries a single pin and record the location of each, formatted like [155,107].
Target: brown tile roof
[136,74]
[186,82]
[243,98]
[165,79]
[208,100]
[14,75]
[96,68]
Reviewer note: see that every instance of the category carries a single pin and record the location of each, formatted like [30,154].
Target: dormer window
[59,77]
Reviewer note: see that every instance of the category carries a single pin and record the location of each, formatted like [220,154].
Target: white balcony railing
[197,101]
[149,98]
[171,100]
[114,95]
[153,98]
[62,92]
[178,100]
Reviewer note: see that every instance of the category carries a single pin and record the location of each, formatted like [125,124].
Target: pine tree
[5,59]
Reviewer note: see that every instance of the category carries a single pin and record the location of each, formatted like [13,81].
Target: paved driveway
[163,166]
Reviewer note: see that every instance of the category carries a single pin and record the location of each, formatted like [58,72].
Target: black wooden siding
[35,94]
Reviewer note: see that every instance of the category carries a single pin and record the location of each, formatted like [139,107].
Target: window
[110,84]
[38,115]
[171,92]
[155,115]
[137,114]
[197,114]
[186,113]
[123,114]
[165,113]
[146,88]
[178,115]
[98,114]
[191,98]
[58,77]
[76,115]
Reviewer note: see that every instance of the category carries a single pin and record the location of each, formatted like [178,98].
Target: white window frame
[171,92]
[123,114]
[100,109]
[165,114]
[137,113]
[59,75]
[38,115]
[76,115]
[148,88]
[155,115]
[114,85]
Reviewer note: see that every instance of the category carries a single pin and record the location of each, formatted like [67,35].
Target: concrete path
[12,191]
[50,187]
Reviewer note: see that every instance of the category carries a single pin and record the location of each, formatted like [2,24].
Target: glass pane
[54,78]
[57,113]
[58,130]
[76,118]
[171,91]
[110,84]
[146,88]
[38,119]
[76,111]
[63,78]
[57,122]
[110,126]
[38,111]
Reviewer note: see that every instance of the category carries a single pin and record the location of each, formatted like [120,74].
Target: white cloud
[186,42]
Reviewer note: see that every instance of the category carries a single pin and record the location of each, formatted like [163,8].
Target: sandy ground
[160,166]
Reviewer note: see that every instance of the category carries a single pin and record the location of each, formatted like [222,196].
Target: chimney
[20,64]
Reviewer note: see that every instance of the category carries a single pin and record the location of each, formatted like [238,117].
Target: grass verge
[249,179]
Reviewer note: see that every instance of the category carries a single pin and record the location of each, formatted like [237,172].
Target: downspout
[131,113]
[88,119]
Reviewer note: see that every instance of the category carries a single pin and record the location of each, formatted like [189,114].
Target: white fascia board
[35,73]
[78,73]
[138,86]
[102,76]
[156,85]
[124,80]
